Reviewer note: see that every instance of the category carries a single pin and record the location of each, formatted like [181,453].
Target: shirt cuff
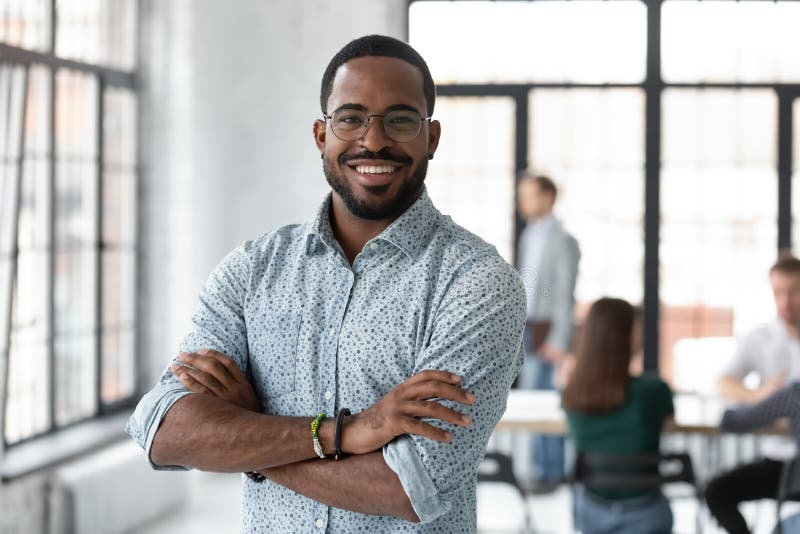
[147,417]
[402,458]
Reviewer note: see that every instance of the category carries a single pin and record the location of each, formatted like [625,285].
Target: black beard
[390,209]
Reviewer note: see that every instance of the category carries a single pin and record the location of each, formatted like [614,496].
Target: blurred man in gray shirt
[548,258]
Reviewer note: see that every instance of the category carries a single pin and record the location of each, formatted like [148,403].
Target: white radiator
[112,492]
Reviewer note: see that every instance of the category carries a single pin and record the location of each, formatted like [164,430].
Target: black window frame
[653,87]
[107,78]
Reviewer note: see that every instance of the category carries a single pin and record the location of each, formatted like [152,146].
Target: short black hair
[786,264]
[545,183]
[381,46]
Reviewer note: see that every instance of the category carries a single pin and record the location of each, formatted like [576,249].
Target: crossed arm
[220,429]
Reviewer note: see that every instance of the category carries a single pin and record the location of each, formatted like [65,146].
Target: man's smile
[374,172]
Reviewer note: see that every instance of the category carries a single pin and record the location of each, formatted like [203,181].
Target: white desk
[540,412]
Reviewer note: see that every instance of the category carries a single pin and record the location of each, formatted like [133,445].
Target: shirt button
[332,332]
[328,395]
[374,246]
[319,523]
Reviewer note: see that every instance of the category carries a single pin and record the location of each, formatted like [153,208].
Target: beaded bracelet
[337,436]
[315,434]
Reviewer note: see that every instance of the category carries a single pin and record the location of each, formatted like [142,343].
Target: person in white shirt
[547,259]
[773,353]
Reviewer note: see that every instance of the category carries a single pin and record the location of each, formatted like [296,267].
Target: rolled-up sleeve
[477,334]
[219,325]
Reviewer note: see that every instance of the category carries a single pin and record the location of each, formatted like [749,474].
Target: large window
[473,172]
[592,142]
[672,129]
[68,201]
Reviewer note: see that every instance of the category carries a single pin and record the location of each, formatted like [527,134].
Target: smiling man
[381,307]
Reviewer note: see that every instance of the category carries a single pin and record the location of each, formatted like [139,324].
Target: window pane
[76,161]
[33,222]
[97,31]
[119,279]
[719,208]
[5,301]
[591,143]
[796,176]
[76,206]
[472,176]
[25,23]
[730,41]
[119,374]
[119,128]
[27,396]
[558,41]
[26,411]
[75,377]
[119,208]
[12,87]
[75,291]
[76,116]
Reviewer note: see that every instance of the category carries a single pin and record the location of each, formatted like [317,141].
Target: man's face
[786,289]
[533,203]
[376,177]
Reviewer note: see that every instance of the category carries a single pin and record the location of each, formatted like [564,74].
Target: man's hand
[211,372]
[771,386]
[400,410]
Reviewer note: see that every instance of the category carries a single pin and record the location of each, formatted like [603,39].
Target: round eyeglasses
[400,125]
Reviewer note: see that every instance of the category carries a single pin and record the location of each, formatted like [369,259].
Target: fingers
[431,374]
[434,410]
[207,381]
[436,389]
[191,384]
[204,361]
[230,366]
[411,425]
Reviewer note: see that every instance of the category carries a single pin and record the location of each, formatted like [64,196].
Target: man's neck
[352,232]
[540,218]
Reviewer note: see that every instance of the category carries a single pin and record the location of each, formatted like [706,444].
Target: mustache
[381,154]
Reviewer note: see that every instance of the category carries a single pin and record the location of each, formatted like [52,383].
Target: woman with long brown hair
[610,411]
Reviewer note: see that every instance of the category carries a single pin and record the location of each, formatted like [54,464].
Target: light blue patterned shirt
[314,334]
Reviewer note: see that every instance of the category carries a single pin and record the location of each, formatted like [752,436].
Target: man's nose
[374,138]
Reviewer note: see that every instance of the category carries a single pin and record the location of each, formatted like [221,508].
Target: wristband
[255,476]
[315,434]
[337,436]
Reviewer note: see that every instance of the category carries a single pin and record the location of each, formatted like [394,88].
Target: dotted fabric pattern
[314,334]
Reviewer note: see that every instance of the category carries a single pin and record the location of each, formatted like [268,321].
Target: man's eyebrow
[404,107]
[395,107]
[357,107]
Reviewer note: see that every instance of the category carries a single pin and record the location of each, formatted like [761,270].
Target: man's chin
[376,190]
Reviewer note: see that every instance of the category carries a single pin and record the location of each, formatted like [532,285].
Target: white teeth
[374,169]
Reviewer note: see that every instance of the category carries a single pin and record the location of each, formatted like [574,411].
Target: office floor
[214,506]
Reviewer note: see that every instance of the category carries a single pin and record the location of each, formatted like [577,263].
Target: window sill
[61,446]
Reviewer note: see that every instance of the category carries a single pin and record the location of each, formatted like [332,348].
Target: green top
[634,427]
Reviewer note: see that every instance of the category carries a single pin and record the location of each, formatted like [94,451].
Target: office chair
[788,489]
[497,467]
[630,472]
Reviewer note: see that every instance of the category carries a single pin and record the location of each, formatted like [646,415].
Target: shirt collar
[319,232]
[410,232]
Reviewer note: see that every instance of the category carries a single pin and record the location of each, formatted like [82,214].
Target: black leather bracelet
[255,476]
[337,435]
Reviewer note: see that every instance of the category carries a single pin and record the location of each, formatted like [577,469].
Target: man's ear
[434,131]
[319,134]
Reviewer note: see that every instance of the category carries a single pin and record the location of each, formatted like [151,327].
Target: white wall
[229,97]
